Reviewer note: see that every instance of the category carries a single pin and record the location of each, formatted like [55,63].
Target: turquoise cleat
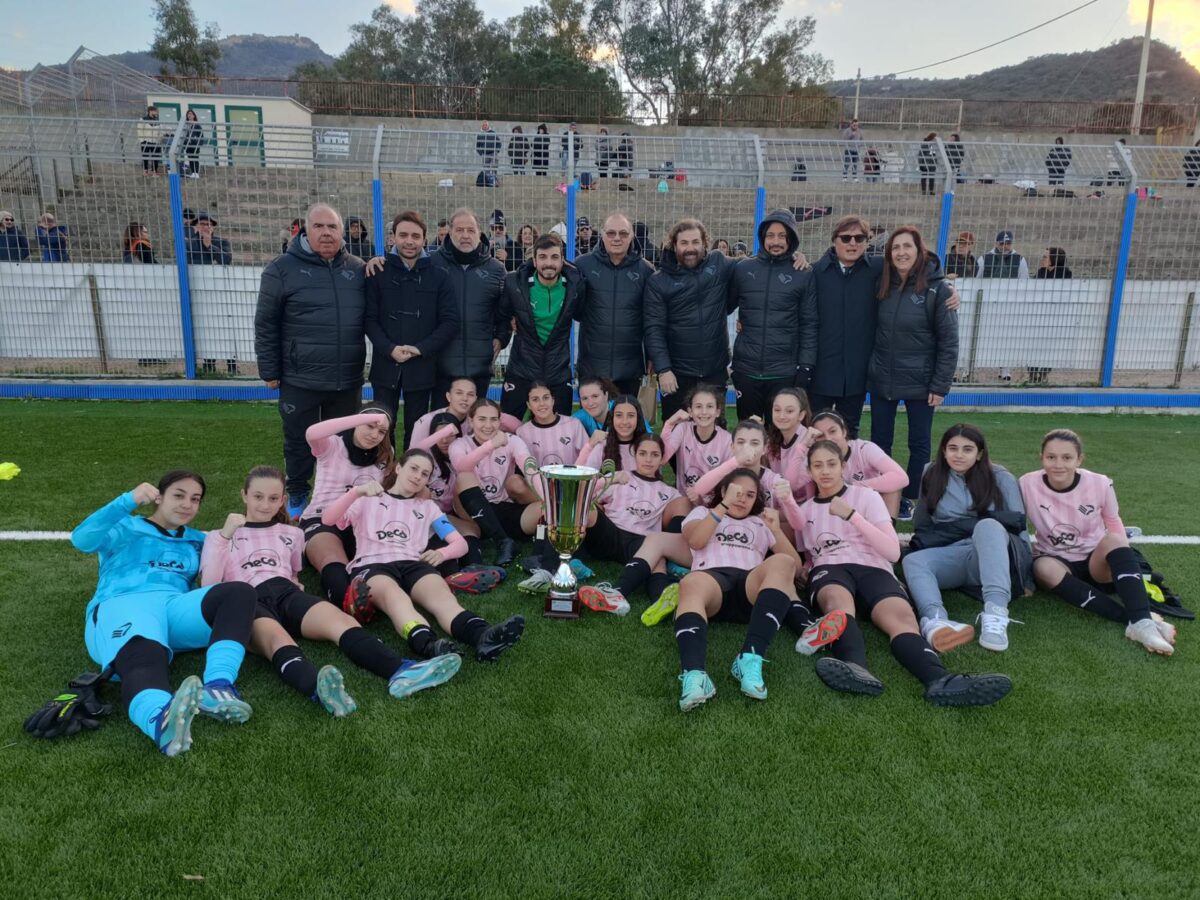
[697,689]
[747,669]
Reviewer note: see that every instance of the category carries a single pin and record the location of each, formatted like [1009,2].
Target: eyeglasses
[497,228]
[617,234]
[852,238]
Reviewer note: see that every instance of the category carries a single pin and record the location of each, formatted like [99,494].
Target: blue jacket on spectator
[219,253]
[14,246]
[53,242]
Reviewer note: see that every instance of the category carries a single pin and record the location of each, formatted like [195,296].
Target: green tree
[179,43]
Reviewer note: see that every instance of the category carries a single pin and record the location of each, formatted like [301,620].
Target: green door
[244,135]
[206,115]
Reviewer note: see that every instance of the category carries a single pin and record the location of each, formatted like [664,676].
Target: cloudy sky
[880,36]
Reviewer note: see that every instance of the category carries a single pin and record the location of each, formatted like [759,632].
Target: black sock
[296,670]
[335,580]
[228,608]
[142,665]
[419,639]
[481,512]
[656,584]
[799,617]
[369,652]
[914,653]
[850,647]
[474,554]
[1079,593]
[633,576]
[675,526]
[770,609]
[1127,576]
[468,628]
[691,634]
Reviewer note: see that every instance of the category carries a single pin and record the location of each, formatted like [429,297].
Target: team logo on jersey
[285,540]
[633,276]
[817,576]
[499,460]
[1063,536]
[785,279]
[859,476]
[509,386]
[348,275]
[663,497]
[1043,506]
[712,460]
[171,561]
[419,516]
[640,508]
[734,534]
[827,542]
[481,274]
[1086,509]
[265,560]
[564,440]
[122,631]
[490,486]
[710,270]
[917,299]
[394,532]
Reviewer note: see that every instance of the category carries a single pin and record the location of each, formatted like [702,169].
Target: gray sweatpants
[980,562]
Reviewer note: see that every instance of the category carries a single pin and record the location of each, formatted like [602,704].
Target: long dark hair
[753,425]
[441,461]
[389,479]
[742,472]
[774,435]
[612,444]
[654,439]
[281,516]
[919,271]
[980,479]
[385,453]
[176,475]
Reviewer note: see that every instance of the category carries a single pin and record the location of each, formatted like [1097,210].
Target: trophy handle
[608,473]
[530,473]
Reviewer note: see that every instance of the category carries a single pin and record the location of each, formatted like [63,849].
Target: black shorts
[867,584]
[509,514]
[604,540]
[735,605]
[314,526]
[405,573]
[1079,568]
[284,601]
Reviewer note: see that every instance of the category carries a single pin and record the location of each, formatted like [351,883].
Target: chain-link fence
[1075,265]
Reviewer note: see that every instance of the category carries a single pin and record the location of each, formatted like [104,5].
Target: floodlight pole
[1135,126]
[857,87]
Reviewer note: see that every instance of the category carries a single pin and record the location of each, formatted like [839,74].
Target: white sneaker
[1146,633]
[993,627]
[944,634]
[1165,628]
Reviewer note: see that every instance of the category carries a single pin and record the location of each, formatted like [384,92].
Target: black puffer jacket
[414,307]
[477,280]
[916,341]
[686,331]
[530,359]
[610,316]
[846,313]
[308,327]
[777,309]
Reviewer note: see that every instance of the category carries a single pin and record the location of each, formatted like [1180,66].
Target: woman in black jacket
[541,150]
[927,163]
[518,151]
[1057,161]
[916,351]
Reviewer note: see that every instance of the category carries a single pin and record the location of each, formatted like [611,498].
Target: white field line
[1190,540]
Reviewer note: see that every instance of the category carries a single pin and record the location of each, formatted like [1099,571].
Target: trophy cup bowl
[568,494]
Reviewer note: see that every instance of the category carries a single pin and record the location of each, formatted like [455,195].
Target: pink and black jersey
[638,507]
[421,428]
[595,457]
[831,540]
[258,552]
[736,544]
[495,466]
[693,456]
[866,465]
[336,474]
[557,444]
[442,489]
[389,529]
[1069,524]
[792,458]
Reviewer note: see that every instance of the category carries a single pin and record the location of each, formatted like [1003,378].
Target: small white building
[244,130]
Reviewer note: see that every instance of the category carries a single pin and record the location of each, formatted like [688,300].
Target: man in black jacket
[776,346]
[610,312]
[410,318]
[542,297]
[686,334]
[477,281]
[308,337]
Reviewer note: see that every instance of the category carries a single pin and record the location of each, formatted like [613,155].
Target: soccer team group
[787,521]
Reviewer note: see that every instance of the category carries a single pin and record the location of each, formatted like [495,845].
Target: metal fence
[1123,220]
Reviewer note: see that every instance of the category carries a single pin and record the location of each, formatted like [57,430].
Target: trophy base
[562,606]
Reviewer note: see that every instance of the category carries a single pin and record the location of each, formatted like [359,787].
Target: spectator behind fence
[294,229]
[1191,165]
[1001,261]
[52,238]
[308,336]
[208,248]
[527,236]
[503,248]
[610,313]
[14,246]
[189,226]
[149,134]
[1058,160]
[927,163]
[443,229]
[915,353]
[585,238]
[740,250]
[625,161]
[722,246]
[1053,264]
[960,261]
[644,247]
[357,238]
[518,151]
[191,139]
[487,145]
[871,166]
[956,153]
[570,138]
[799,169]
[541,150]
[137,247]
[854,137]
[604,152]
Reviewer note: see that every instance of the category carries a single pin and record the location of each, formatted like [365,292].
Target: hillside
[251,55]
[1109,73]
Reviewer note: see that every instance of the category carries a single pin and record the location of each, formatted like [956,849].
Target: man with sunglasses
[610,313]
[14,246]
[503,247]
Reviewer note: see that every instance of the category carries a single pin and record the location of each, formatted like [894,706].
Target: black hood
[350,220]
[788,221]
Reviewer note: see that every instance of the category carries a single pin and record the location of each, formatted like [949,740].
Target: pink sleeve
[467,463]
[791,510]
[891,477]
[456,547]
[297,555]
[338,512]
[322,431]
[586,454]
[712,477]
[212,558]
[429,440]
[1111,513]
[420,430]
[672,438]
[509,423]
[876,526]
[520,454]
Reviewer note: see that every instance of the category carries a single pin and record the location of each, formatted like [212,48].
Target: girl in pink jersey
[849,537]
[623,426]
[349,451]
[693,438]
[789,435]
[395,567]
[864,463]
[553,440]
[748,451]
[733,580]
[1080,551]
[491,487]
[261,549]
[459,399]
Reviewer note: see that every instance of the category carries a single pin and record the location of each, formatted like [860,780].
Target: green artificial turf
[566,768]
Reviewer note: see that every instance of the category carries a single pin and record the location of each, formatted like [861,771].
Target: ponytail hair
[441,461]
[774,435]
[272,473]
[1063,434]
